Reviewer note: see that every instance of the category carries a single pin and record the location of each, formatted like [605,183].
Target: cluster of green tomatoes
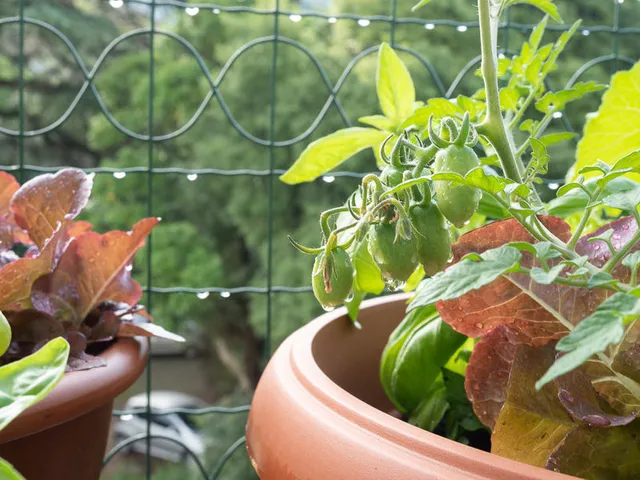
[402,217]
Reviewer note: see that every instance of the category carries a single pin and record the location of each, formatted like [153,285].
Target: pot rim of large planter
[80,392]
[301,420]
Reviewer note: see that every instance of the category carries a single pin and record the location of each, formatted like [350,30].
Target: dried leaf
[128,329]
[47,202]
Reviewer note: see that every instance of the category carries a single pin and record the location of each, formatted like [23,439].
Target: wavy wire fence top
[269,141]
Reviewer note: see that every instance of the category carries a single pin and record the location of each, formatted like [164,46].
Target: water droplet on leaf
[328,308]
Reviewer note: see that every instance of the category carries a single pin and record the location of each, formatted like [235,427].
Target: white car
[178,426]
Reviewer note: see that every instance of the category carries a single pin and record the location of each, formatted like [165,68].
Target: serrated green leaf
[467,275]
[328,152]
[632,260]
[577,200]
[547,6]
[614,131]
[378,121]
[559,47]
[558,100]
[593,335]
[536,35]
[601,279]
[476,178]
[546,278]
[628,200]
[631,161]
[396,92]
[509,99]
[554,138]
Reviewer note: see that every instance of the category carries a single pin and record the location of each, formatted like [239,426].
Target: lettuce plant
[533,315]
[71,282]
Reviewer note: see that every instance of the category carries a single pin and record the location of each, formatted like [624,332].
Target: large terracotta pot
[64,437]
[319,413]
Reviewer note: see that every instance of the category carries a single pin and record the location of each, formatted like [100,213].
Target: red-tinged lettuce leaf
[502,302]
[598,252]
[487,374]
[31,326]
[18,277]
[580,398]
[47,202]
[94,268]
[599,453]
[532,423]
[10,232]
[84,361]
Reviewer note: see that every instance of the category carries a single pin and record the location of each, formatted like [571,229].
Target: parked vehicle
[179,430]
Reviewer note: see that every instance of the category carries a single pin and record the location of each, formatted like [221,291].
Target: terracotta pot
[64,437]
[319,412]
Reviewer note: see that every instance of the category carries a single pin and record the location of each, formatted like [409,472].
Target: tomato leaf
[547,6]
[328,152]
[606,138]
[396,92]
[467,275]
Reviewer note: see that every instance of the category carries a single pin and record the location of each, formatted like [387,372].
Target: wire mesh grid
[21,168]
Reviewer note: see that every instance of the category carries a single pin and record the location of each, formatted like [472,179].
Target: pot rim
[355,411]
[80,392]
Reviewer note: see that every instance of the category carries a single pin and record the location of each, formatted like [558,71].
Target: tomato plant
[535,315]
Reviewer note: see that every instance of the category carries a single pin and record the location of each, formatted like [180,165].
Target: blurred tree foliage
[215,227]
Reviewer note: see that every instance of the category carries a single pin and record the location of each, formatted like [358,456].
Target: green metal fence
[618,34]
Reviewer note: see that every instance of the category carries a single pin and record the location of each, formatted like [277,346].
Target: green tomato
[5,334]
[397,259]
[457,203]
[433,241]
[332,278]
[391,176]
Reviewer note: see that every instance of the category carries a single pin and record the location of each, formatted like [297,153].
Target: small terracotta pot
[64,437]
[319,412]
